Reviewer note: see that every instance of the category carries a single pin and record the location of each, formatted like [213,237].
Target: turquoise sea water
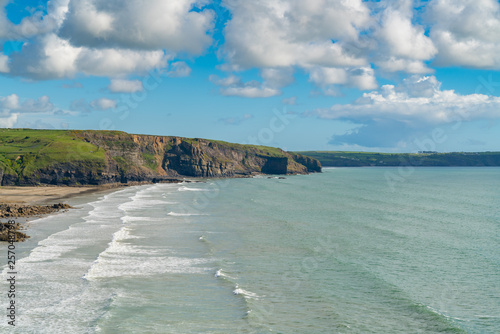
[345,251]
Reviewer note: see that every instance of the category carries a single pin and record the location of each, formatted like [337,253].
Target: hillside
[34,157]
[362,159]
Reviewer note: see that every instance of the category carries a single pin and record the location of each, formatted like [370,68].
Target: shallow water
[339,252]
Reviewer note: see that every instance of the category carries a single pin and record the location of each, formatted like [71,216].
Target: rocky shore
[9,212]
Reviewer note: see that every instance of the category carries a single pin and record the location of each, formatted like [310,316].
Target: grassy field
[23,151]
[362,159]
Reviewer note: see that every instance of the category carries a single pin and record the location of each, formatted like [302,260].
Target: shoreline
[48,195]
[41,201]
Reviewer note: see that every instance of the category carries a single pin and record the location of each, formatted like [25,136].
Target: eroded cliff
[100,157]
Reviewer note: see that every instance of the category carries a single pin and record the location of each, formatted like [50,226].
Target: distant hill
[36,157]
[362,159]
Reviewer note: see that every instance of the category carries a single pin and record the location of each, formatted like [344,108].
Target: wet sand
[45,195]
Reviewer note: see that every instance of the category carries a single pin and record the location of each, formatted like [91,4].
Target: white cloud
[134,24]
[125,86]
[402,45]
[106,38]
[277,77]
[334,41]
[42,104]
[10,121]
[401,36]
[98,104]
[12,103]
[251,90]
[179,69]
[466,32]
[233,86]
[39,22]
[227,81]
[418,100]
[281,33]
[52,57]
[361,78]
[393,64]
[103,104]
[11,107]
[4,64]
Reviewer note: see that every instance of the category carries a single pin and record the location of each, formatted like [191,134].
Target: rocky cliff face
[156,158]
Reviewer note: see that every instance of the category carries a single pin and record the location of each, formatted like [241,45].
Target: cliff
[33,157]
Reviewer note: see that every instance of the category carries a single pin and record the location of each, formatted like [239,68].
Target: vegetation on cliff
[361,159]
[33,157]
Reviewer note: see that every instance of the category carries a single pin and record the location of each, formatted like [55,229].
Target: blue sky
[392,76]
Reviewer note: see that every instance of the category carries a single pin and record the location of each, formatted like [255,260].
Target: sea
[350,250]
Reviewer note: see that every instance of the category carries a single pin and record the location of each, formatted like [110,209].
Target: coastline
[45,195]
[22,204]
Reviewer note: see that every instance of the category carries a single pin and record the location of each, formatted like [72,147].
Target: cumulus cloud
[334,41]
[282,33]
[466,32]
[133,24]
[106,38]
[277,77]
[125,86]
[40,22]
[400,37]
[9,121]
[13,103]
[418,102]
[11,107]
[51,57]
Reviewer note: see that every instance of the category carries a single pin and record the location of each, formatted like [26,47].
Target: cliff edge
[65,157]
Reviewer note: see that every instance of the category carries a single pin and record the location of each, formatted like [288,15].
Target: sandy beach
[44,195]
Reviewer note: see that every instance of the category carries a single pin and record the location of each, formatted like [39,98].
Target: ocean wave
[128,219]
[246,294]
[220,274]
[122,258]
[138,204]
[184,188]
[176,214]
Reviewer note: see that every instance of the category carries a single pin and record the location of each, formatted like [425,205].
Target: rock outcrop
[19,210]
[13,231]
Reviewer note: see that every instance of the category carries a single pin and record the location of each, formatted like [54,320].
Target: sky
[387,76]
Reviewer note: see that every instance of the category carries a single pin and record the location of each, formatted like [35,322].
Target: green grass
[25,150]
[263,150]
[150,161]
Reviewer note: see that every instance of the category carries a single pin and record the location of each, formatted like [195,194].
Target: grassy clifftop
[361,159]
[24,151]
[95,157]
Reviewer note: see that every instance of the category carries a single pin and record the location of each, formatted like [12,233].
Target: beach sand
[44,195]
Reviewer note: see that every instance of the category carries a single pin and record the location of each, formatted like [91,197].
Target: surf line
[11,265]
